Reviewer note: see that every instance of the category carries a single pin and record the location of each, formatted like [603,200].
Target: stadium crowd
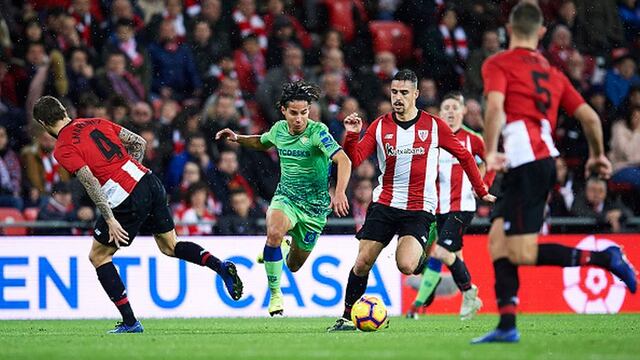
[177,71]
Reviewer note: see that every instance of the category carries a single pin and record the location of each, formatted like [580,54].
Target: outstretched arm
[94,190]
[250,141]
[339,203]
[449,142]
[134,143]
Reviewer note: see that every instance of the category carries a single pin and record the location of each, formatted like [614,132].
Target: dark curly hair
[298,90]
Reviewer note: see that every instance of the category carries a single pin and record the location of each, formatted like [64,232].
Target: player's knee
[97,259]
[362,267]
[441,253]
[168,249]
[407,267]
[274,236]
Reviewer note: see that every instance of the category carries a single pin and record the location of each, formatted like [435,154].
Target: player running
[456,208]
[106,159]
[406,142]
[523,93]
[302,202]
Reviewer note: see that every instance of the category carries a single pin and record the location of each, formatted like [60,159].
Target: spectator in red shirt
[194,209]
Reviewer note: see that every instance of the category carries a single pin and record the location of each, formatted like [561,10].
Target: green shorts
[305,229]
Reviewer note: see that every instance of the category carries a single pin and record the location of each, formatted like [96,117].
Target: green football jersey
[305,164]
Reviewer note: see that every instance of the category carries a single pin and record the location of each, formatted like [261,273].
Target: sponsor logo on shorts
[97,231]
[591,290]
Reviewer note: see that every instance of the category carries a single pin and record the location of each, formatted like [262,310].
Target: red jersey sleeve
[448,141]
[477,149]
[493,77]
[571,98]
[69,157]
[356,150]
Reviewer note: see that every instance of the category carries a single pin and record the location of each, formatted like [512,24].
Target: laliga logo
[592,290]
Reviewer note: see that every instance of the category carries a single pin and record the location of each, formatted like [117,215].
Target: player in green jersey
[302,202]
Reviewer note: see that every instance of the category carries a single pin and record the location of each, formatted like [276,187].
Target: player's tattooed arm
[92,185]
[134,143]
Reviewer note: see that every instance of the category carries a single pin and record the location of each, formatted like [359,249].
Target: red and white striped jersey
[455,192]
[408,160]
[96,143]
[189,214]
[533,91]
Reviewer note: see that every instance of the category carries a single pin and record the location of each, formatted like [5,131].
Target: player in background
[523,93]
[406,142]
[456,208]
[302,202]
[106,159]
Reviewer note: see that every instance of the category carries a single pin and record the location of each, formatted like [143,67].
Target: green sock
[427,286]
[274,272]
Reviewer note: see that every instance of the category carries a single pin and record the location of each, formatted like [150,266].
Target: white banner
[52,278]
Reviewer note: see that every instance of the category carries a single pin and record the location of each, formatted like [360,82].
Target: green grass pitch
[431,337]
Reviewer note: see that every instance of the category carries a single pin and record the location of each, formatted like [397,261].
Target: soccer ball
[369,314]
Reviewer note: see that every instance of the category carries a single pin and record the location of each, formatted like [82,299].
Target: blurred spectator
[153,158]
[563,193]
[41,168]
[243,218]
[428,95]
[362,196]
[60,207]
[473,118]
[196,151]
[629,11]
[446,52]
[80,73]
[123,10]
[331,101]
[206,50]
[211,13]
[90,23]
[174,69]
[115,79]
[138,62]
[173,16]
[191,174]
[262,171]
[141,117]
[225,178]
[282,35]
[620,79]
[598,27]
[594,203]
[625,150]
[220,114]
[195,210]
[292,69]
[248,22]
[118,109]
[566,16]
[560,47]
[473,78]
[275,9]
[250,65]
[10,174]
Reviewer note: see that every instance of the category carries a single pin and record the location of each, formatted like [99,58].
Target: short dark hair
[298,91]
[455,95]
[49,110]
[525,19]
[194,188]
[406,75]
[197,135]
